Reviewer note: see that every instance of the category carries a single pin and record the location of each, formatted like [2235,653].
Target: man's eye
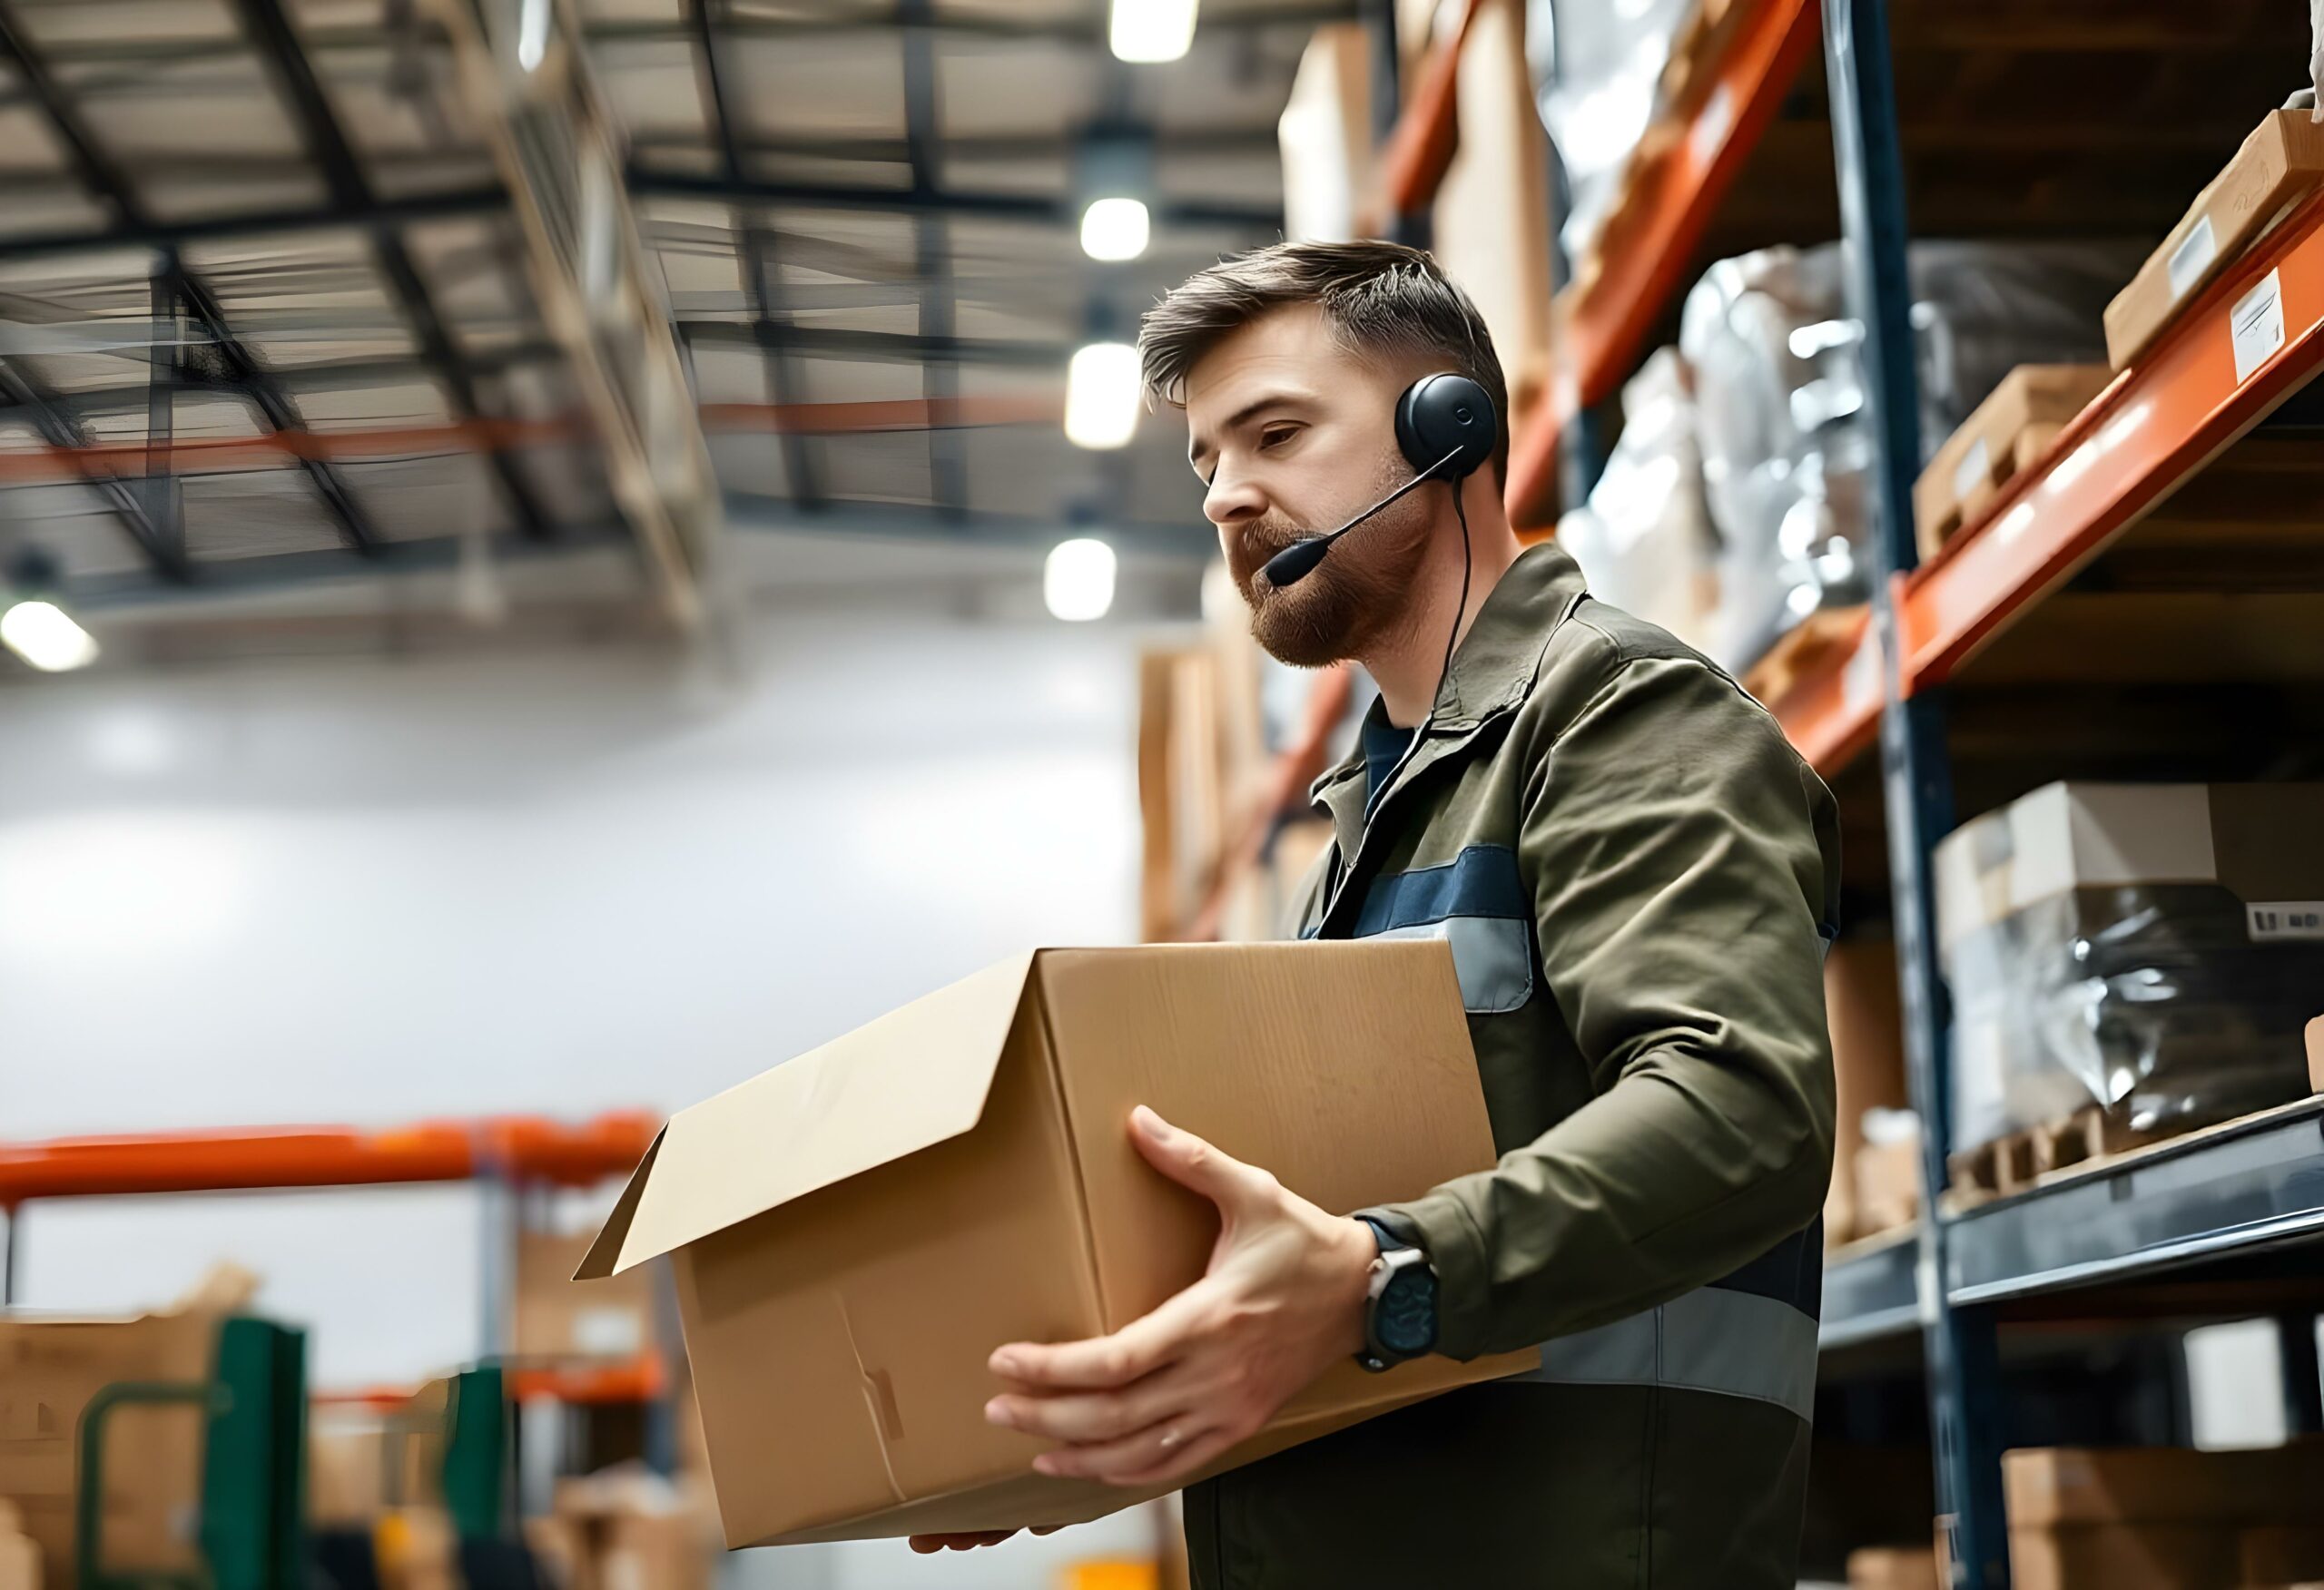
[1282,433]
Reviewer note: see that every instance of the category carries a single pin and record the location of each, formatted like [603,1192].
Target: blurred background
[554,553]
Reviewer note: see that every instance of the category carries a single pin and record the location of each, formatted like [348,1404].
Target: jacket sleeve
[1675,846]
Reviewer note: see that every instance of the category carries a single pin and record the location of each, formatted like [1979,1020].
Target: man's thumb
[1188,1159]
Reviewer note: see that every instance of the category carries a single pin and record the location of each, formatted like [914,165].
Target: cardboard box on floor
[854,1232]
[2279,164]
[50,1367]
[556,1319]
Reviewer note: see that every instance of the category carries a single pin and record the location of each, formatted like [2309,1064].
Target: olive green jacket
[1638,877]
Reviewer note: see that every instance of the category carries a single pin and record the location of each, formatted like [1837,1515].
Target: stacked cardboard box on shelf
[2121,1518]
[628,1529]
[557,1322]
[2010,431]
[20,1564]
[1892,1567]
[2279,165]
[1860,1004]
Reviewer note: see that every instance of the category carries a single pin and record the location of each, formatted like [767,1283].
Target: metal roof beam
[1029,207]
[34,403]
[754,256]
[906,347]
[326,142]
[948,463]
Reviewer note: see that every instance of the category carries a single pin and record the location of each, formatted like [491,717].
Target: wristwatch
[1400,1303]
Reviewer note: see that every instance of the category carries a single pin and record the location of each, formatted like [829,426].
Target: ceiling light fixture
[1101,395]
[1078,581]
[44,635]
[1114,229]
[1151,29]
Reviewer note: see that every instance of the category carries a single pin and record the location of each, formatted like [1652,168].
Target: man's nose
[1232,500]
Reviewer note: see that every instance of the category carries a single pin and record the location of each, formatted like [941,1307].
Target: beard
[1351,600]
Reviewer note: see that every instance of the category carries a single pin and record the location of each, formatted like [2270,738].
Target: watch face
[1404,1319]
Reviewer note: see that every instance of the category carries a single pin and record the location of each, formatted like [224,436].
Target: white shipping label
[608,1332]
[1976,467]
[2257,324]
[2192,258]
[2285,919]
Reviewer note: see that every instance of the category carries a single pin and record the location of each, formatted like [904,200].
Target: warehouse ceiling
[266,315]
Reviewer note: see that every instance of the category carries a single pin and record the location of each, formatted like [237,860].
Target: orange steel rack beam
[2158,425]
[2145,436]
[1600,332]
[1418,152]
[641,1380]
[523,1148]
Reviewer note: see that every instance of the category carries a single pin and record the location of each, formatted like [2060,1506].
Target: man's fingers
[1115,1462]
[1192,1162]
[970,1541]
[1103,1362]
[1084,1416]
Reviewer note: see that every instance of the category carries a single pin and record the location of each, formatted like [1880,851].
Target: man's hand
[925,1544]
[1282,1299]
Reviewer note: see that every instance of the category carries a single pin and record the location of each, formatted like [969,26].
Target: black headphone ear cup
[1444,414]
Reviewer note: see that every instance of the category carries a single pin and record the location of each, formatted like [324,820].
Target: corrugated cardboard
[1867,1063]
[2116,1556]
[1896,1567]
[2279,164]
[856,1231]
[558,1318]
[49,1369]
[625,1530]
[2007,432]
[1888,1185]
[2049,1486]
[19,1556]
[2263,842]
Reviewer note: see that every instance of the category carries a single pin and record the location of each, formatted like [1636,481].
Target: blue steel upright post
[1962,1370]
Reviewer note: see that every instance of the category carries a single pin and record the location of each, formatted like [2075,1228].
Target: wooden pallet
[2018,1162]
[1804,649]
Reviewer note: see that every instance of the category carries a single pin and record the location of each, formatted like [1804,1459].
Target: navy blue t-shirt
[1384,745]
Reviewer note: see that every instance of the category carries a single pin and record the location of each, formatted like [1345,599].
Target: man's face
[1293,436]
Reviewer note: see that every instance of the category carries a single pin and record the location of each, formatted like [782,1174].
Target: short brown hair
[1377,297]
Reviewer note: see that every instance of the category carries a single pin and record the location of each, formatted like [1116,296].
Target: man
[1637,878]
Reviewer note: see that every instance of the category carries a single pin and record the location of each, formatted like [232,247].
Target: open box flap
[907,1080]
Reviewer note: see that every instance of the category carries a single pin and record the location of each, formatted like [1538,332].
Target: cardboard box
[49,1370]
[2052,1485]
[559,1319]
[2277,1554]
[2262,842]
[1892,1567]
[1887,1185]
[2118,1556]
[2279,164]
[346,1473]
[854,1232]
[1325,136]
[1860,1004]
[2009,431]
[19,1556]
[628,1529]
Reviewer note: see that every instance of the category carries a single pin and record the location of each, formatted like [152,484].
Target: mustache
[1260,541]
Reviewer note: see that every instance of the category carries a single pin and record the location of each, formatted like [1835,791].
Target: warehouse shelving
[2162,559]
[1604,323]
[512,1152]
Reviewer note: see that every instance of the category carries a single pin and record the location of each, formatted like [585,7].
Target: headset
[1447,427]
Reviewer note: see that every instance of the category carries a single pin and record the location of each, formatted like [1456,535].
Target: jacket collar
[1498,659]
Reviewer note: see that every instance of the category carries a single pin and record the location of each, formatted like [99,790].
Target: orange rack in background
[525,1148]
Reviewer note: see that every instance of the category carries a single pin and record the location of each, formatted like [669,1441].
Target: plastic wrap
[2150,1001]
[1643,539]
[1785,457]
[1597,70]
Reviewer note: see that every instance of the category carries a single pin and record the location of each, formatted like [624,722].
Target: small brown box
[1892,1567]
[2116,1556]
[2279,164]
[2008,432]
